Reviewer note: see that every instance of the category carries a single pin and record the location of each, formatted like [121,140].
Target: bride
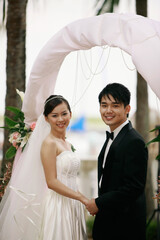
[42,200]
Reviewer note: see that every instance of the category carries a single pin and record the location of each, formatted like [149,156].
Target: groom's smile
[112,112]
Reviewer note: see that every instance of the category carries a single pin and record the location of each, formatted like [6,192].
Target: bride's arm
[48,157]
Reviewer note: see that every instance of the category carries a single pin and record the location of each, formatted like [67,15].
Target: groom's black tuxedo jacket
[121,200]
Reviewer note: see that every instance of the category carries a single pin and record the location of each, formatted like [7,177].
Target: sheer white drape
[21,207]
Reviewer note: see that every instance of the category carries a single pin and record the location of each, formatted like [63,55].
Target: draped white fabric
[21,206]
[138,36]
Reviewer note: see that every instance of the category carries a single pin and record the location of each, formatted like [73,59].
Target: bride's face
[59,118]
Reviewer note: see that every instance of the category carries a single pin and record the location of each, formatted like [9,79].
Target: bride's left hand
[92,207]
[83,199]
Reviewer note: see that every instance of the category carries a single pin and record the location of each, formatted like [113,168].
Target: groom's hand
[92,207]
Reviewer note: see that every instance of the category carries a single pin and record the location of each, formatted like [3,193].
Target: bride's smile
[59,119]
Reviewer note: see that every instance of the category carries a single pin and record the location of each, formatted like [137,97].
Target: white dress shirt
[116,131]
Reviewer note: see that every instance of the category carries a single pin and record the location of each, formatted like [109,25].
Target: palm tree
[142,113]
[16,59]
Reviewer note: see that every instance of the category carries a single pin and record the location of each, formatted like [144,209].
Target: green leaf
[4,10]
[158,157]
[18,113]
[13,109]
[10,122]
[10,152]
[20,116]
[73,149]
[5,127]
[157,139]
[157,128]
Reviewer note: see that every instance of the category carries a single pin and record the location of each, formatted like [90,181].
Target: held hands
[90,204]
[92,207]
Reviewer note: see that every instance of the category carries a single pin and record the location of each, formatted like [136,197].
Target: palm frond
[106,6]
[4,10]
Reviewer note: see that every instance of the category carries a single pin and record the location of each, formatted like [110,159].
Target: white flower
[15,137]
[21,94]
[17,125]
[25,139]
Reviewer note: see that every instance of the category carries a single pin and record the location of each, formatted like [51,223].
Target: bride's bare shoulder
[49,142]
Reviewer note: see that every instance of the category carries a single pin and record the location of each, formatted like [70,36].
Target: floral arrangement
[19,132]
[158,192]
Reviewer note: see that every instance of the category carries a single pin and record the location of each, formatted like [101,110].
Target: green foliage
[19,115]
[107,6]
[9,122]
[89,224]
[156,139]
[16,125]
[73,149]
[4,10]
[18,118]
[10,153]
[151,231]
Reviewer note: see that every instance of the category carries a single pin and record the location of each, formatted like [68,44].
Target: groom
[122,167]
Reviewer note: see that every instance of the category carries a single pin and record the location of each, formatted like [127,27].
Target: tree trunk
[142,116]
[16,60]
[142,113]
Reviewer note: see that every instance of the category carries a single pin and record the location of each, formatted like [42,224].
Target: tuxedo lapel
[100,159]
[116,142]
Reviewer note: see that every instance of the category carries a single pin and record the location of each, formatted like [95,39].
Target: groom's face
[112,112]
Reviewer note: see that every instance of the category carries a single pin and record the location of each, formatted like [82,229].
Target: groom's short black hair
[118,91]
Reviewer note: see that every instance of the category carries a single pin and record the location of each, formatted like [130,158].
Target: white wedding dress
[63,217]
[31,211]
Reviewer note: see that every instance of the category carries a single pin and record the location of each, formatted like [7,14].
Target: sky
[44,19]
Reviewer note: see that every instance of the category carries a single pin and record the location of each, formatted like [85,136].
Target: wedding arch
[138,36]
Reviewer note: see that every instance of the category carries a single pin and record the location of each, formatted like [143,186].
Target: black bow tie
[109,135]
